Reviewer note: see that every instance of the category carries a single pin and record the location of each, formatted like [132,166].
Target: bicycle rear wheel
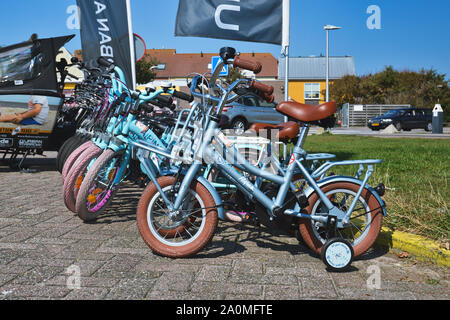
[364,225]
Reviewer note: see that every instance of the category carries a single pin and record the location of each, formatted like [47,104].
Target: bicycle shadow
[236,238]
[230,238]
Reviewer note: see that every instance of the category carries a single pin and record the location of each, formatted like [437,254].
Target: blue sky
[414,34]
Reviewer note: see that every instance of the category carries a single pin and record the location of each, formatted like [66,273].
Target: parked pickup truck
[404,119]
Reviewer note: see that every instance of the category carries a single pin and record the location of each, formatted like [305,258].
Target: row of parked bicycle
[194,175]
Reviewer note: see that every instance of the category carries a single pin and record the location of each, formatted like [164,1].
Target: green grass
[415,171]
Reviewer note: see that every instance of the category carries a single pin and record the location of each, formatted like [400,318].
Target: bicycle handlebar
[254,66]
[261,87]
[183,96]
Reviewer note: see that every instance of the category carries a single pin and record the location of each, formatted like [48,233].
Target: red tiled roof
[179,65]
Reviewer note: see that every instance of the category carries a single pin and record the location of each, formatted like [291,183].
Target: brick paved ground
[40,240]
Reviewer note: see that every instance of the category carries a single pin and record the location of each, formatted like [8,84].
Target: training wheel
[337,254]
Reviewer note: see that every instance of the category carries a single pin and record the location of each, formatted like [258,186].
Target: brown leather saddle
[302,112]
[305,112]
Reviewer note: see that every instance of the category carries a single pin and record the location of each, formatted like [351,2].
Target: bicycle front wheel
[100,184]
[184,234]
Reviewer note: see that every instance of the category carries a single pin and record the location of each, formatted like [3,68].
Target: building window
[161,66]
[312,91]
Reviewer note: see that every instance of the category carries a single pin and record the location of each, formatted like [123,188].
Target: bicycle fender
[215,195]
[334,179]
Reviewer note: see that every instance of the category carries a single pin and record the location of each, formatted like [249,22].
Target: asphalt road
[364,131]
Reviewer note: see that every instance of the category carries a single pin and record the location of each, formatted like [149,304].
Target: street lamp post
[440,86]
[327,28]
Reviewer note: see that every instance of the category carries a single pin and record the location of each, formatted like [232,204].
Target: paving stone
[85,282]
[83,255]
[366,294]
[156,266]
[5,278]
[207,287]
[244,266]
[18,237]
[183,296]
[87,294]
[123,262]
[263,279]
[280,292]
[349,280]
[130,289]
[213,273]
[14,269]
[318,288]
[174,281]
[37,275]
[24,291]
[43,261]
[241,297]
[8,255]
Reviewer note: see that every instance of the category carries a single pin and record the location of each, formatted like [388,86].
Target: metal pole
[132,51]
[286,79]
[286,90]
[328,70]
[286,44]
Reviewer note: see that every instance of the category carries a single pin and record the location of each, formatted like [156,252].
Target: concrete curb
[422,248]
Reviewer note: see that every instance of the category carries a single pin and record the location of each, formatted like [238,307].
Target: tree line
[422,89]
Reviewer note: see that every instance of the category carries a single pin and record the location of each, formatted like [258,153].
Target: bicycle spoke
[356,227]
[188,232]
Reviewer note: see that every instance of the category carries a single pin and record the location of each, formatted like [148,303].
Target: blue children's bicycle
[339,217]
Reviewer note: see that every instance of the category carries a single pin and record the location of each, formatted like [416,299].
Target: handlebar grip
[270,98]
[167,100]
[183,96]
[254,66]
[150,90]
[104,62]
[261,87]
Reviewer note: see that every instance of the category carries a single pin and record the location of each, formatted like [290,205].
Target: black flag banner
[245,20]
[105,31]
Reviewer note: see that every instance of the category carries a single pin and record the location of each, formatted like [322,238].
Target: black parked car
[404,119]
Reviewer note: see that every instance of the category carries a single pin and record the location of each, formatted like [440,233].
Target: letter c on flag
[227,7]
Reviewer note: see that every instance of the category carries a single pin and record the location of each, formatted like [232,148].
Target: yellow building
[307,76]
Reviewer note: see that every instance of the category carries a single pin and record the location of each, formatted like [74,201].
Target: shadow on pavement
[230,238]
[30,165]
